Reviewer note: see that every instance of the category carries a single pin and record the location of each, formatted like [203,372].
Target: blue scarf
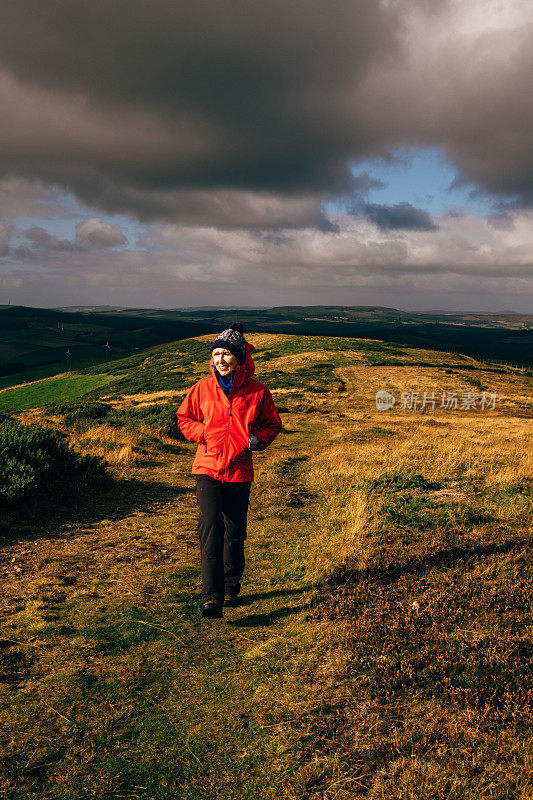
[224,383]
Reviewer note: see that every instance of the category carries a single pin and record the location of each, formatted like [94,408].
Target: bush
[80,414]
[160,418]
[85,411]
[37,464]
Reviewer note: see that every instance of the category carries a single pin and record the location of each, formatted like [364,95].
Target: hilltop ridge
[35,343]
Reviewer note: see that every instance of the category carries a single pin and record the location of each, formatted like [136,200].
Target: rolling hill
[37,343]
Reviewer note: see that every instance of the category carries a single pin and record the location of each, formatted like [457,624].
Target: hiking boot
[211,609]
[231,600]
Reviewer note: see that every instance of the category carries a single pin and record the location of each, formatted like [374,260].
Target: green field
[51,390]
[39,342]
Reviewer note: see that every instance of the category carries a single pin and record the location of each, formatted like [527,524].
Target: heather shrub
[160,418]
[86,412]
[37,464]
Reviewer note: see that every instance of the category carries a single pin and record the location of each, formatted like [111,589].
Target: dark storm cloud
[401,216]
[150,107]
[464,84]
[153,96]
[364,183]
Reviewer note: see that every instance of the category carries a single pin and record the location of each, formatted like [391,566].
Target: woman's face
[224,361]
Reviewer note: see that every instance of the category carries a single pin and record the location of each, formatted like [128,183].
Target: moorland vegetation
[383,646]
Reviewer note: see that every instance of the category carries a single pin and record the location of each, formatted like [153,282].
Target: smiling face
[224,361]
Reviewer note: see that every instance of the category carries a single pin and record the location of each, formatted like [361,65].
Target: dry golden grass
[364,382]
[146,398]
[343,520]
[290,363]
[474,449]
[117,446]
[31,416]
[421,686]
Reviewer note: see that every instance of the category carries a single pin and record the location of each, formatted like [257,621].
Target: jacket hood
[243,372]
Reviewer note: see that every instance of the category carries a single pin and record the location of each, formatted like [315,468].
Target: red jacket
[222,424]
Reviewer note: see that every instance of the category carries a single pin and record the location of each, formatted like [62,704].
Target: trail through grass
[114,683]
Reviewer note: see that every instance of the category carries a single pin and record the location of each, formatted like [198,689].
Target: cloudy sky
[159,153]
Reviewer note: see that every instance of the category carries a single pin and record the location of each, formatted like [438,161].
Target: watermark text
[447,401]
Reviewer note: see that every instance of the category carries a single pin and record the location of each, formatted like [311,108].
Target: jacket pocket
[212,449]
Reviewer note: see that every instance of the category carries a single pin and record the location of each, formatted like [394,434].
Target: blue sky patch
[422,178]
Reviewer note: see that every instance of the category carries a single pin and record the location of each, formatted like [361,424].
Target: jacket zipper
[224,471]
[226,442]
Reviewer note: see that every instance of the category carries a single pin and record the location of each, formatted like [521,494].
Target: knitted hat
[232,339]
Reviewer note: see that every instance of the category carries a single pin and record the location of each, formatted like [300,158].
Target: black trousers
[221,531]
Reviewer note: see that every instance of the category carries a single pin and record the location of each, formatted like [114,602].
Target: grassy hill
[37,343]
[383,646]
[504,336]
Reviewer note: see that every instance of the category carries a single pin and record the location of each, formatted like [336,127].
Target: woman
[229,415]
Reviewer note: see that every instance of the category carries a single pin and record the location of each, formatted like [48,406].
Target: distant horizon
[117,307]
[303,305]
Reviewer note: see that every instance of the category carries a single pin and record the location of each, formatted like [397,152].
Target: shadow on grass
[244,599]
[441,560]
[247,599]
[264,620]
[125,497]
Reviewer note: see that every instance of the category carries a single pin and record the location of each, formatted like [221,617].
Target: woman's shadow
[270,617]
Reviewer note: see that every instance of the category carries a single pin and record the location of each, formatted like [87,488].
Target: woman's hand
[254,443]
